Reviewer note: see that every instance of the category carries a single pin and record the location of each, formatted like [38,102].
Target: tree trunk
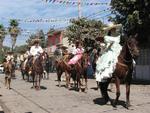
[13,42]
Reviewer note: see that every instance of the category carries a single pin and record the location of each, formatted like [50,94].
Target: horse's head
[43,57]
[132,44]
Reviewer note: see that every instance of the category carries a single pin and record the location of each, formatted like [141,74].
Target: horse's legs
[39,81]
[6,82]
[78,82]
[67,79]
[117,82]
[33,77]
[59,73]
[85,77]
[127,95]
[22,73]
[9,81]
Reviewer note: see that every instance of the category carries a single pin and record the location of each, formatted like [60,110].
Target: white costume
[107,62]
[35,50]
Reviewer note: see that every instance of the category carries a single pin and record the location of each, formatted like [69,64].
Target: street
[52,99]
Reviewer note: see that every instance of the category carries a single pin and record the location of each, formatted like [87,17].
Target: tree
[41,36]
[84,30]
[21,48]
[30,40]
[2,36]
[14,31]
[134,15]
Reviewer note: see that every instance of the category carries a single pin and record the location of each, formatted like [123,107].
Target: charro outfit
[107,61]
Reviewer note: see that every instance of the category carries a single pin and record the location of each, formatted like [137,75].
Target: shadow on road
[94,88]
[101,101]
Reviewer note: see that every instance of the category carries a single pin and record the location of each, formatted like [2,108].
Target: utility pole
[79,8]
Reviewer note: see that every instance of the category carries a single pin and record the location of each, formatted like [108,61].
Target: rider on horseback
[77,53]
[107,61]
[35,51]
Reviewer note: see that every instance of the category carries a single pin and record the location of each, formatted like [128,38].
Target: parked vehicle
[1,68]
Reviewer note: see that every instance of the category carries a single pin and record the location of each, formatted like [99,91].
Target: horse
[8,70]
[123,71]
[25,70]
[46,67]
[76,71]
[61,68]
[79,72]
[37,70]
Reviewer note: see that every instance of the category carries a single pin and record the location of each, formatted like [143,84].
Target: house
[53,40]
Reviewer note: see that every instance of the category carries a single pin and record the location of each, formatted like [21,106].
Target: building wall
[53,40]
[143,65]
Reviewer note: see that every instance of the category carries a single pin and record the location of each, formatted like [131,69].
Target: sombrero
[112,26]
[64,47]
[59,45]
[10,52]
[36,40]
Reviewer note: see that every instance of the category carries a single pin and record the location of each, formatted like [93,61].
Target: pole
[79,8]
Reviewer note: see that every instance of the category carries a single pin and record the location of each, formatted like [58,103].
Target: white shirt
[35,50]
[9,57]
[72,50]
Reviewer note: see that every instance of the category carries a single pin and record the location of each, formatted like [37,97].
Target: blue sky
[39,9]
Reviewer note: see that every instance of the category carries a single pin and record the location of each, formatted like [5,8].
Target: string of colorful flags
[42,20]
[55,20]
[74,2]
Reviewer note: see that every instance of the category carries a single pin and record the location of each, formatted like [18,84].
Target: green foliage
[41,36]
[14,31]
[51,32]
[31,37]
[21,48]
[2,35]
[14,23]
[84,30]
[134,15]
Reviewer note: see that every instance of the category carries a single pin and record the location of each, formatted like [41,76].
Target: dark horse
[24,70]
[123,71]
[76,71]
[37,70]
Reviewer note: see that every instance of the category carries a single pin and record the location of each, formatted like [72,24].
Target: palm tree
[14,31]
[2,35]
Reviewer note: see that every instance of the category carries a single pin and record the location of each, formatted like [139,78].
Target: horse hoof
[113,103]
[127,106]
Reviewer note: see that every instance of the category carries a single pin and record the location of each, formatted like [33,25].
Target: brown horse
[76,71]
[61,68]
[37,70]
[8,70]
[123,71]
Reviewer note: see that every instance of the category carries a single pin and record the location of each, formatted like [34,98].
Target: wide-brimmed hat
[36,40]
[112,26]
[10,52]
[64,47]
[59,45]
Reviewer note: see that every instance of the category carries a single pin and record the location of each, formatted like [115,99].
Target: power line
[99,12]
